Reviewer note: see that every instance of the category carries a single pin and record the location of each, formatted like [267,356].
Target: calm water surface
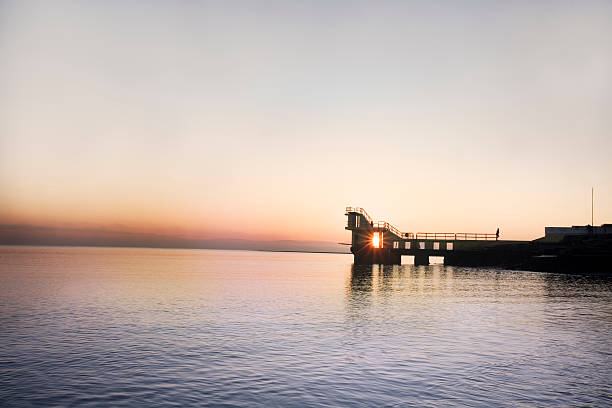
[149,327]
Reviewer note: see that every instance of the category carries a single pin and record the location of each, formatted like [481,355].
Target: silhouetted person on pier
[497,234]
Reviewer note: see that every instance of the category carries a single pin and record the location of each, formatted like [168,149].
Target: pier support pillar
[421,259]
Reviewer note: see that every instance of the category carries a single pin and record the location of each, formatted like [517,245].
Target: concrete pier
[382,243]
[577,249]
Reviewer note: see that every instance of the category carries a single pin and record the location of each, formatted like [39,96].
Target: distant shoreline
[287,250]
[178,248]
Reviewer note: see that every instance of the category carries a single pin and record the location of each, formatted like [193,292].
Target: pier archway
[436,260]
[407,259]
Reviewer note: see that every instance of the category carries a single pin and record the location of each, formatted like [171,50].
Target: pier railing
[359,210]
[443,236]
[387,226]
[458,236]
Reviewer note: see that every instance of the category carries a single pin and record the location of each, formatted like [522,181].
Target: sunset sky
[264,120]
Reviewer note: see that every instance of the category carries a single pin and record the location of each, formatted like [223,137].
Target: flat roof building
[604,229]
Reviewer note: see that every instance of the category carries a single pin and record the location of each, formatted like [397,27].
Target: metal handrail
[377,224]
[458,236]
[359,210]
[387,226]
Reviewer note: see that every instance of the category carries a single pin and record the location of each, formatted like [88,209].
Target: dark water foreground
[144,327]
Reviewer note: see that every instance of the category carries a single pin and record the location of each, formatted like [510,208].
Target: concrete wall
[458,245]
[361,245]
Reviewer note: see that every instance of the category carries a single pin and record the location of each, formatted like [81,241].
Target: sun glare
[375,240]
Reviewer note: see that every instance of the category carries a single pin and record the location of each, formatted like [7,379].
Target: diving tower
[379,242]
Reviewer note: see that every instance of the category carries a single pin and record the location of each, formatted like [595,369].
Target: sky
[264,120]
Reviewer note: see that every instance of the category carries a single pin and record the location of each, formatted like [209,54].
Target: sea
[113,327]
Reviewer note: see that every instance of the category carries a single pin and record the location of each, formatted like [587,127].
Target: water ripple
[138,327]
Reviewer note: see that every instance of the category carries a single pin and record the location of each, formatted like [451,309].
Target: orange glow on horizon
[213,153]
